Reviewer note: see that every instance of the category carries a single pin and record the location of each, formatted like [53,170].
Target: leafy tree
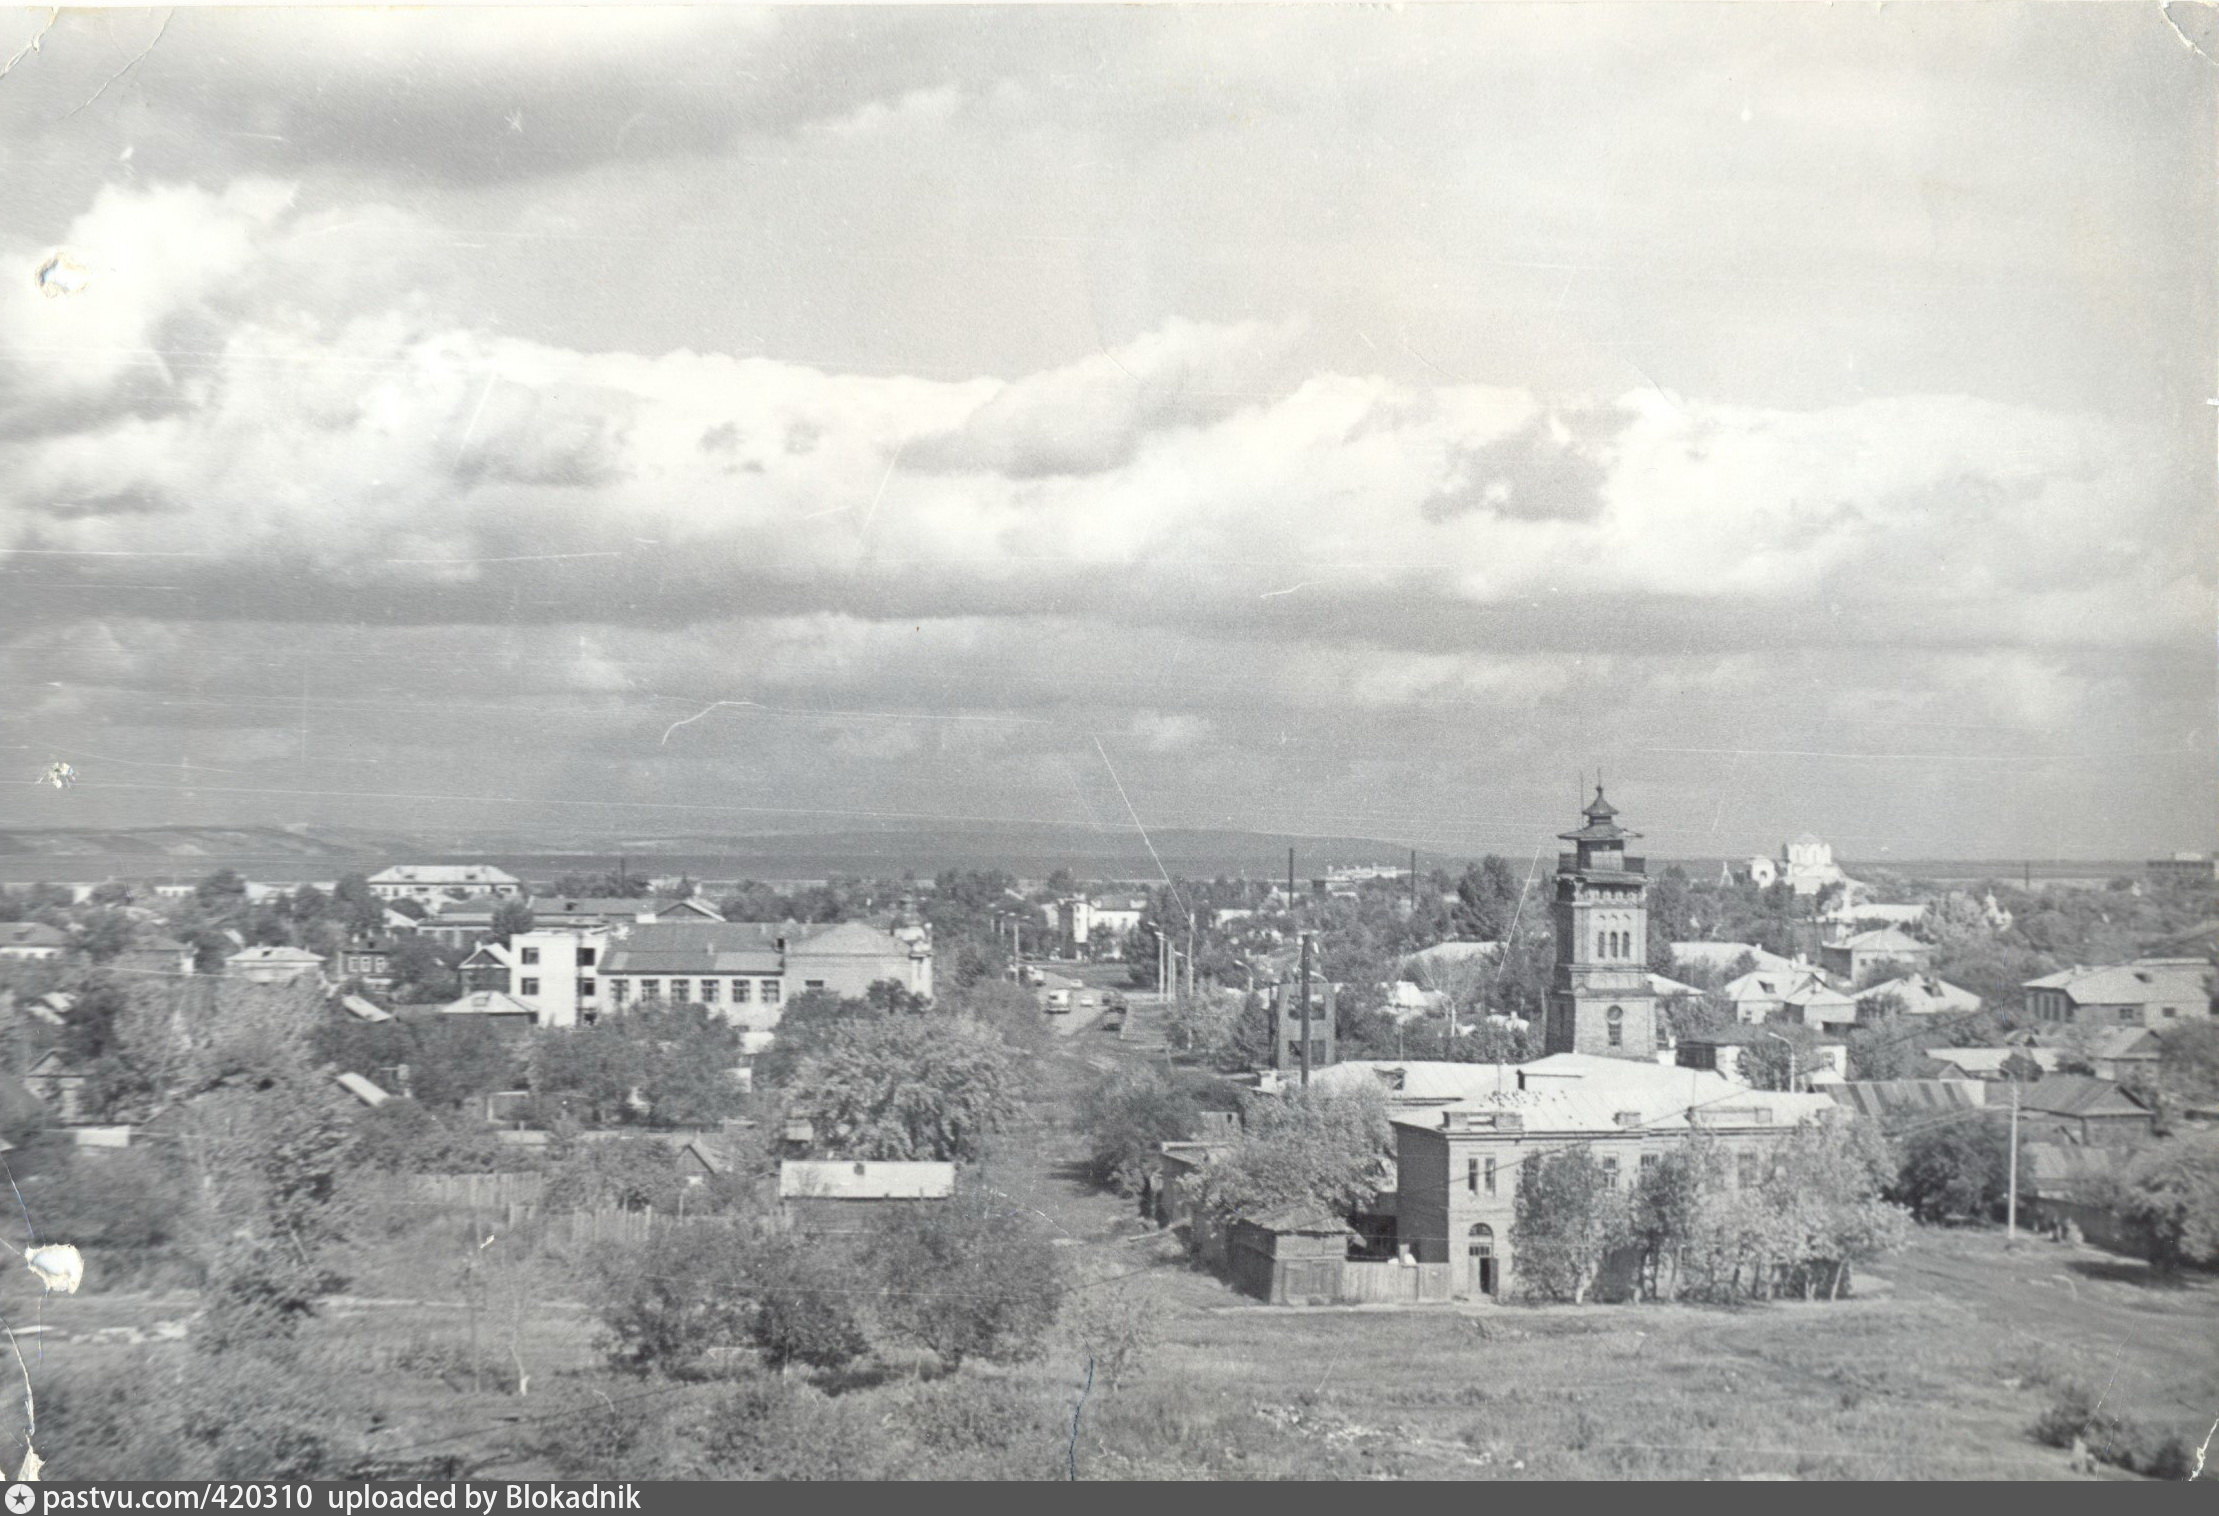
[1768,1064]
[910,1087]
[222,890]
[2168,1200]
[968,1277]
[1884,1052]
[103,933]
[685,1055]
[1309,1147]
[669,1305]
[456,1061]
[511,917]
[614,1173]
[1127,1115]
[803,1312]
[1825,1191]
[1665,1211]
[1570,1218]
[585,1073]
[422,972]
[1950,1168]
[1486,900]
[404,1137]
[806,1027]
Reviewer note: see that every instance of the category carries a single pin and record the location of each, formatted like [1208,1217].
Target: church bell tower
[1600,1001]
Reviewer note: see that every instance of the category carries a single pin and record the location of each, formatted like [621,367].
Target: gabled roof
[31,934]
[846,939]
[2079,1095]
[697,947]
[1924,994]
[1991,1060]
[1723,955]
[488,1003]
[1886,939]
[275,955]
[2147,980]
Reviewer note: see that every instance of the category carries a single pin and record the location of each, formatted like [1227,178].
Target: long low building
[745,970]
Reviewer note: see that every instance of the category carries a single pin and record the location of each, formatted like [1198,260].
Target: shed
[2089,1110]
[1291,1256]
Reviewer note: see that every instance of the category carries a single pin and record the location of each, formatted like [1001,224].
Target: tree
[456,1061]
[968,1277]
[2168,1200]
[1127,1115]
[1884,1052]
[669,1304]
[684,1059]
[1486,901]
[1310,1147]
[910,1087]
[1952,1167]
[1570,1218]
[1824,1189]
[803,1314]
[1665,1211]
[1769,1063]
[422,973]
[614,1173]
[511,917]
[585,1073]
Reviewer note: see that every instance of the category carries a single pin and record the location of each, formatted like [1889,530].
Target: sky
[1364,421]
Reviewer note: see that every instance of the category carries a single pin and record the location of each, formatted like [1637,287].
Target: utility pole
[1413,883]
[1290,879]
[1305,1010]
[2011,1199]
[1190,955]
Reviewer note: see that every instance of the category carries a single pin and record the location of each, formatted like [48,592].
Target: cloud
[322,445]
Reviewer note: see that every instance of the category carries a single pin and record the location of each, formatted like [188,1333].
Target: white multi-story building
[745,970]
[444,881]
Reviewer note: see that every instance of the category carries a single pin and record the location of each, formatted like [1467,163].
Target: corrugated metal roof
[1896,1099]
[813,1179]
[2180,980]
[2079,1095]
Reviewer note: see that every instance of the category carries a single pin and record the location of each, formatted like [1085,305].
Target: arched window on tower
[1615,1019]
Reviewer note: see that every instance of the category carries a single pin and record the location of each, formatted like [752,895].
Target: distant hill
[180,842]
[1031,850]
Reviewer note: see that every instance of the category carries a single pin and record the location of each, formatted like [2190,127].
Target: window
[708,992]
[1616,1017]
[1745,1170]
[770,992]
[681,990]
[1648,1164]
[1531,1164]
[620,990]
[2171,1011]
[812,984]
[586,957]
[1610,1173]
[651,989]
[740,988]
[1471,1175]
[1317,1052]
[2126,1014]
[585,988]
[1490,1176]
[530,955]
[527,986]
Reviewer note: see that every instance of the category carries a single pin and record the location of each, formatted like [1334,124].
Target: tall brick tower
[1600,1001]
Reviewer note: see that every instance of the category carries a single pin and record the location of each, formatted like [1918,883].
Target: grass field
[1936,1369]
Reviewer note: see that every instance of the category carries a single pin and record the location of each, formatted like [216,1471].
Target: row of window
[586,956]
[1614,944]
[1479,1173]
[705,991]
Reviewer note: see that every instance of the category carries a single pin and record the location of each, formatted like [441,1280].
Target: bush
[670,1303]
[1126,1116]
[2078,1413]
[968,1277]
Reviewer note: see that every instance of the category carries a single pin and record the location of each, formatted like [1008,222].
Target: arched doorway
[1479,1249]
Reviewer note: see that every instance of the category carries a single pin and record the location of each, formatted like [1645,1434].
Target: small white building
[1926,995]
[32,940]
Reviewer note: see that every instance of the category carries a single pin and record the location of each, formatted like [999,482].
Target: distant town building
[450,881]
[1820,1057]
[1283,1011]
[1600,1000]
[1720,957]
[745,970]
[2147,992]
[836,1195]
[1805,865]
[495,1007]
[2184,868]
[1924,995]
[274,965]
[1851,958]
[2083,1109]
[32,940]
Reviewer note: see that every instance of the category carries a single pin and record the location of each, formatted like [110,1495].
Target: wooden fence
[478,1192]
[1393,1283]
